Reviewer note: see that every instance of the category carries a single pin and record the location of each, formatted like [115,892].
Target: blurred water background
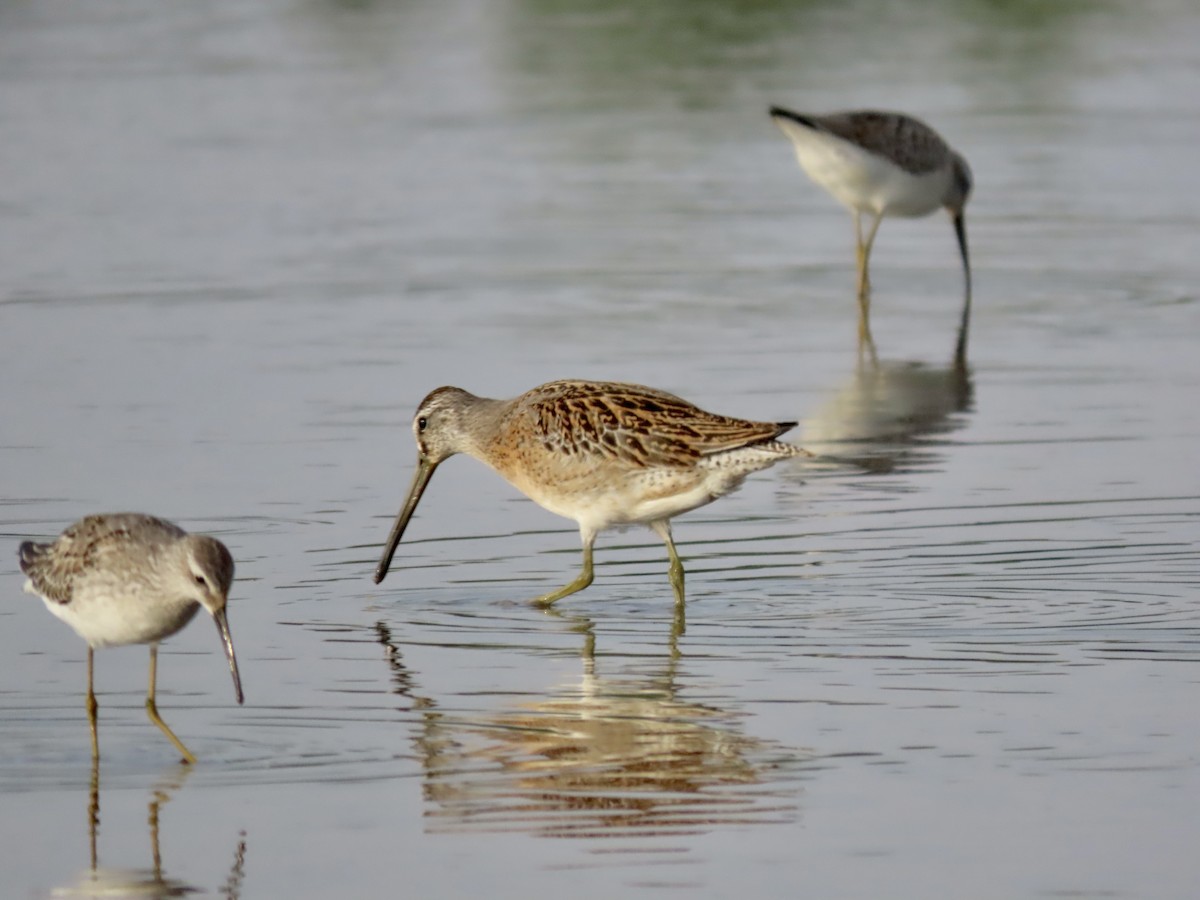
[239,242]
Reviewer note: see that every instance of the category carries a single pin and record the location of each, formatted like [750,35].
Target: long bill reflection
[601,758]
[102,881]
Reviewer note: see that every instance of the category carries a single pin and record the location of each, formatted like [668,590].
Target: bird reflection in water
[886,417]
[100,881]
[609,757]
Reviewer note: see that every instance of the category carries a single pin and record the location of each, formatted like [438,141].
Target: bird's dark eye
[422,423]
[200,581]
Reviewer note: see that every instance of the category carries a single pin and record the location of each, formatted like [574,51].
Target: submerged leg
[663,529]
[92,708]
[584,578]
[152,709]
[678,628]
[94,810]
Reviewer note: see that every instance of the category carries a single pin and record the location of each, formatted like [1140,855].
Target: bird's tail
[783,448]
[29,553]
[778,112]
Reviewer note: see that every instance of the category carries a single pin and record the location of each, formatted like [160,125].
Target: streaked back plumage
[634,425]
[130,578]
[147,574]
[603,453]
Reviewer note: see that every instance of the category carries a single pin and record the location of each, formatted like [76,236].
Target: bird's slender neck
[477,421]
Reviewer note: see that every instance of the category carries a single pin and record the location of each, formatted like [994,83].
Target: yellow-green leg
[675,572]
[152,709]
[92,709]
[863,259]
[582,581]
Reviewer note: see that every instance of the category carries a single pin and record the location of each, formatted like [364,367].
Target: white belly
[105,620]
[869,183]
[623,496]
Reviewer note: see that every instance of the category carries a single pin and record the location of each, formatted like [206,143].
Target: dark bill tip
[416,489]
[227,642]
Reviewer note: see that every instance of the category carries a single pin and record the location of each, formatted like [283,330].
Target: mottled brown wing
[908,142]
[641,426]
[54,568]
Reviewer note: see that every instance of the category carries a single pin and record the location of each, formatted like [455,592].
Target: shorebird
[883,164]
[602,453]
[129,578]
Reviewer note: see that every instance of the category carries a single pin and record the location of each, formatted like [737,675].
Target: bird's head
[209,568]
[961,185]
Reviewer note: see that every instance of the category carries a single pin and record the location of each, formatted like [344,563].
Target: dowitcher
[129,578]
[604,454]
[883,164]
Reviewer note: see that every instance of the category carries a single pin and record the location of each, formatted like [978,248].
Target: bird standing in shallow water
[883,164]
[602,453]
[129,578]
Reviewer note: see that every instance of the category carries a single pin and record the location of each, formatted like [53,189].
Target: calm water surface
[958,655]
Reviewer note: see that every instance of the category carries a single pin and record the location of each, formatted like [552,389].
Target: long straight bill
[960,230]
[420,480]
[227,642]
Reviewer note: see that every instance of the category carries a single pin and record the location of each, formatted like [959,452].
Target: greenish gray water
[241,242]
